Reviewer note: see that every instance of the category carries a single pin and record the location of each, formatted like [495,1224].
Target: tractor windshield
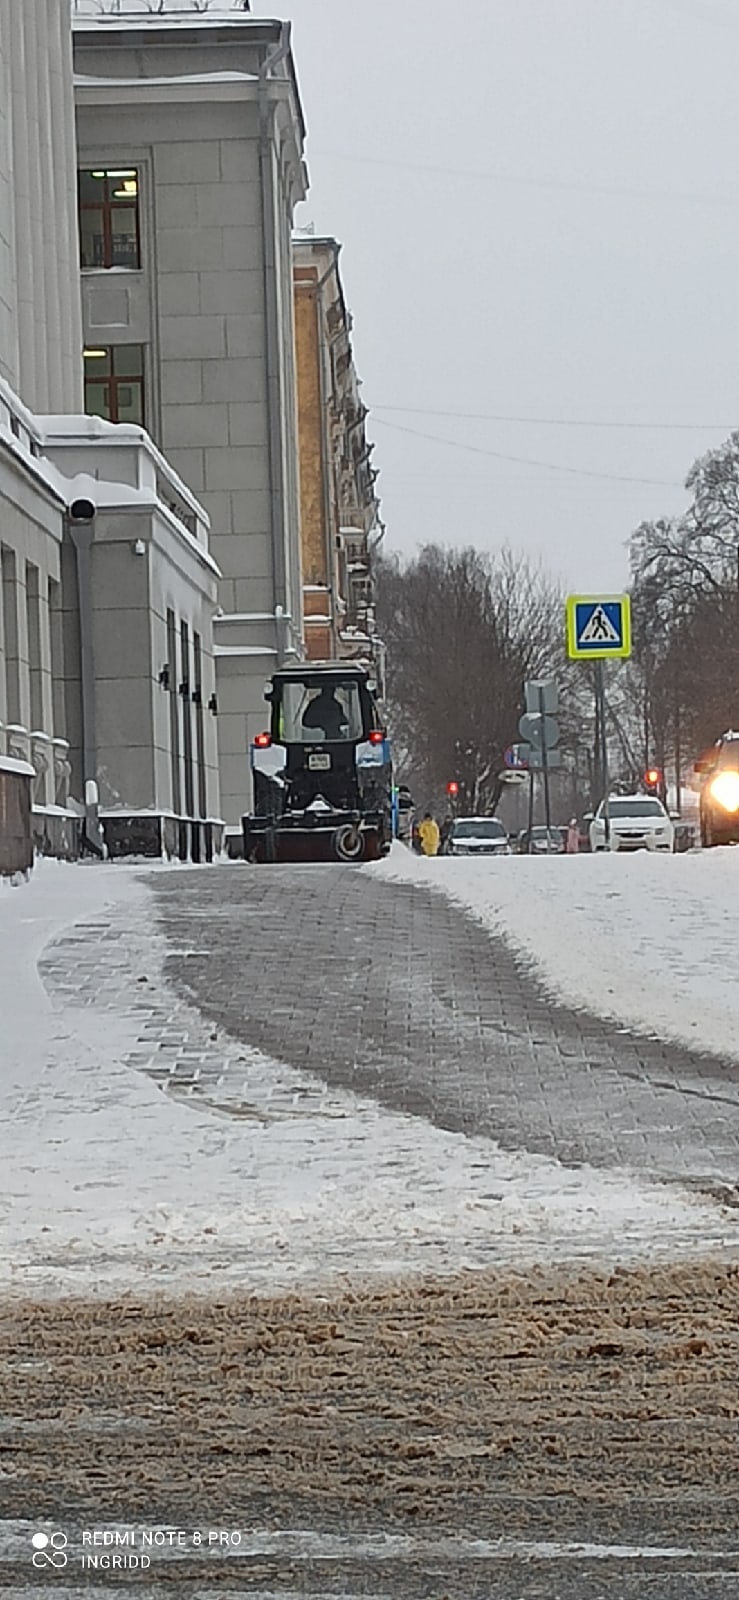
[310,713]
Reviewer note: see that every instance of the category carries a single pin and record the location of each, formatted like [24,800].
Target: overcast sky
[538,202]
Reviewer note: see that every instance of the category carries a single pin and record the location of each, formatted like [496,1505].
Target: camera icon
[49,1550]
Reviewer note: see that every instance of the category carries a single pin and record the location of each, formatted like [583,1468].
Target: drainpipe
[272,340]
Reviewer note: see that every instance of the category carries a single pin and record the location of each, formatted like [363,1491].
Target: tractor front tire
[348,843]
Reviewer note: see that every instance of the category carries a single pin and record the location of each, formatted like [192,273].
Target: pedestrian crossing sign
[598,627]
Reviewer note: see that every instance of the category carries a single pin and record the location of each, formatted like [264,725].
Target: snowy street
[207,1088]
[344,1116]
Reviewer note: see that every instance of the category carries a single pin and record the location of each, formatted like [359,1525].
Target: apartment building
[340,509]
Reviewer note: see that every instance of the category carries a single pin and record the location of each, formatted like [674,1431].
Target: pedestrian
[445,833]
[572,844]
[429,835]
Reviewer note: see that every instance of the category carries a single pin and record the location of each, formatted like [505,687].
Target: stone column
[8,287]
[20,123]
[55,289]
[65,189]
[37,34]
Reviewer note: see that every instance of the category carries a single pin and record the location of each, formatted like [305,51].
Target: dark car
[477,836]
[542,841]
[719,801]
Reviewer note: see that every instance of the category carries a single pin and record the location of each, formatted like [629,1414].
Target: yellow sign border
[614,653]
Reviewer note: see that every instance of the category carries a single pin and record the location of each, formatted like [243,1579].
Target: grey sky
[539,207]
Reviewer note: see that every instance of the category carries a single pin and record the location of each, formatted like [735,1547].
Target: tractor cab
[322,773]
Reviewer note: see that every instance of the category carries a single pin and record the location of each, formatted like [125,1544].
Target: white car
[478,836]
[636,822]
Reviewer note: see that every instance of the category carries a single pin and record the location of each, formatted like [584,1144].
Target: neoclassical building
[108,586]
[340,508]
[152,567]
[190,159]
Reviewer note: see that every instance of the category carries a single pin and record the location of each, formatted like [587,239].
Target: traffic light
[452,788]
[653,778]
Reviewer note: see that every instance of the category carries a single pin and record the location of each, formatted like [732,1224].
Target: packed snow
[109,1184]
[649,940]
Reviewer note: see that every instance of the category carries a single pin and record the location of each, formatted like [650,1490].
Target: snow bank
[652,941]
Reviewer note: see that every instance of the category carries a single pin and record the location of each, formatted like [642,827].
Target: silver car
[478,836]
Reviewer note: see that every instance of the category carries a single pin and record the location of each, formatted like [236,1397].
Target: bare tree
[686,610]
[464,630]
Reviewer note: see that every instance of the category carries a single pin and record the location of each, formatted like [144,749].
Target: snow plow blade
[346,842]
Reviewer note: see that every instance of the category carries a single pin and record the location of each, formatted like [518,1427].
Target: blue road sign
[598,626]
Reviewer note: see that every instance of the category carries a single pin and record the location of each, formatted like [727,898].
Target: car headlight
[725,789]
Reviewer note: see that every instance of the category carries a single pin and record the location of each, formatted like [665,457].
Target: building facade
[101,545]
[340,511]
[40,327]
[190,161]
[40,338]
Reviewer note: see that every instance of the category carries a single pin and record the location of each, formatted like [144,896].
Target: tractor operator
[326,715]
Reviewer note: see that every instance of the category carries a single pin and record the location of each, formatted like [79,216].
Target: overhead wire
[523,181]
[557,422]
[528,461]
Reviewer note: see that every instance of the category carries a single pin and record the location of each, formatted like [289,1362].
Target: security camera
[81,511]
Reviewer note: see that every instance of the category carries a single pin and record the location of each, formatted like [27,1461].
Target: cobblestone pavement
[391,991]
[388,990]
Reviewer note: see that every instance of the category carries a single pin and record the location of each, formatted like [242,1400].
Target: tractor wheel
[348,843]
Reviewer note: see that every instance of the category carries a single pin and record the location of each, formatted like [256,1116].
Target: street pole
[531,811]
[678,753]
[545,764]
[597,776]
[600,713]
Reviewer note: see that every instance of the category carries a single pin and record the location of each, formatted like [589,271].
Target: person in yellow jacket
[429,835]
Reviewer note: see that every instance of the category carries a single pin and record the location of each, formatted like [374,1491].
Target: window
[487,828]
[114,383]
[33,626]
[9,582]
[633,808]
[309,713]
[109,218]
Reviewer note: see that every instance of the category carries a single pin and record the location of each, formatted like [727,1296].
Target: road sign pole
[600,719]
[531,812]
[545,766]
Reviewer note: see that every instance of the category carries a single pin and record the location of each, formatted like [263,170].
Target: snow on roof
[187,11]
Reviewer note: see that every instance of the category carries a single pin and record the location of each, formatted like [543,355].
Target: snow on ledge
[12,764]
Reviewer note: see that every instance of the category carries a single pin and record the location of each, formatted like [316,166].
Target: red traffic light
[452,787]
[653,777]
